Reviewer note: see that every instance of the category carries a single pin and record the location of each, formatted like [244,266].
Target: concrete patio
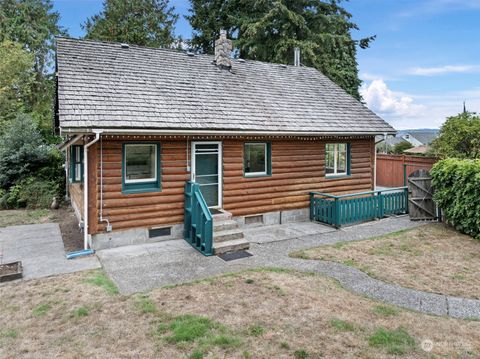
[40,248]
[143,267]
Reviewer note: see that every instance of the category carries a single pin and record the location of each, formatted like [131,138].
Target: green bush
[457,193]
[31,193]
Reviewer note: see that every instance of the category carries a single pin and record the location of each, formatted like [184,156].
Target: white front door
[207,171]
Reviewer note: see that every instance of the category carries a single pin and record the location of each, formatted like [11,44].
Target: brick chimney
[223,49]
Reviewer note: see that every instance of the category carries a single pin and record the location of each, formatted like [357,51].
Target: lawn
[433,258]
[254,314]
[16,217]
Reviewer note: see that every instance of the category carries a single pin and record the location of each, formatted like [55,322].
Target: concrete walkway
[40,248]
[144,267]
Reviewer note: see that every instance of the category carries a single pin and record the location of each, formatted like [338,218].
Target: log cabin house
[147,128]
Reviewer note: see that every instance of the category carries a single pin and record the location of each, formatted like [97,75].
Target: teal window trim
[146,186]
[268,159]
[349,162]
[74,162]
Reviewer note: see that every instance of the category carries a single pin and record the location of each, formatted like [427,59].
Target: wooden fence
[390,168]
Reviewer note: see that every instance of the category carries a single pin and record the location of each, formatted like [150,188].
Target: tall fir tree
[269,30]
[140,22]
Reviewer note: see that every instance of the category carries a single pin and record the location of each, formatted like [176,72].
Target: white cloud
[440,70]
[406,111]
[382,100]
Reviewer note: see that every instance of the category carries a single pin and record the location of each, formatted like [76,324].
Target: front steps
[227,236]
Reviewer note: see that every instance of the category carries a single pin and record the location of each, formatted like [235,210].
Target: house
[145,126]
[420,139]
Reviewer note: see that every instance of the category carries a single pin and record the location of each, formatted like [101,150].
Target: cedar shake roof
[104,85]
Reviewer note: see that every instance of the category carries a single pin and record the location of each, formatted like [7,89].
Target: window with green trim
[257,159]
[140,167]
[337,159]
[76,163]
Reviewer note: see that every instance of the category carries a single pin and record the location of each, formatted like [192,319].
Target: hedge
[457,193]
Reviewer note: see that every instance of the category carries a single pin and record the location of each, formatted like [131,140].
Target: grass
[342,325]
[396,341]
[300,354]
[222,317]
[385,310]
[255,330]
[100,279]
[201,331]
[41,309]
[433,258]
[16,217]
[145,305]
[81,312]
[8,333]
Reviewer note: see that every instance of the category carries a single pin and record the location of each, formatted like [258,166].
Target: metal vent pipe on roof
[296,58]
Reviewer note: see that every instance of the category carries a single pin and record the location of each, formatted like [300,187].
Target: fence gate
[420,196]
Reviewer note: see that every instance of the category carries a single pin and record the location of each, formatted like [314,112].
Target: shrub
[457,193]
[32,193]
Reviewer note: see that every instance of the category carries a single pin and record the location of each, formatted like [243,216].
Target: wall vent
[159,232]
[254,219]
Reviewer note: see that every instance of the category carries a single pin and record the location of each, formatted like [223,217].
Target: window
[256,159]
[76,163]
[141,167]
[337,158]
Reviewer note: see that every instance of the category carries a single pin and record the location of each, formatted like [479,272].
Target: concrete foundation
[133,236]
[140,235]
[278,217]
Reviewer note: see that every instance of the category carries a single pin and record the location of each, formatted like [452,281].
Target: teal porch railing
[357,207]
[198,221]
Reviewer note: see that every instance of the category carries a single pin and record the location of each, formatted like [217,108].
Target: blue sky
[424,63]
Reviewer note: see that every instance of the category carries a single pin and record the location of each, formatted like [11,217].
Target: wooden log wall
[298,167]
[76,196]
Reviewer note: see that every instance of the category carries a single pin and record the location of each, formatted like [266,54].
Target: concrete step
[230,246]
[227,235]
[224,225]
[222,216]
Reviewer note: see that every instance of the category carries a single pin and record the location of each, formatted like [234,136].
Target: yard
[433,258]
[253,314]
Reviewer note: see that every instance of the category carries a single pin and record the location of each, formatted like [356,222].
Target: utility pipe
[85,187]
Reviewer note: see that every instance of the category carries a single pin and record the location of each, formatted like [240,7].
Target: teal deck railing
[198,221]
[357,207]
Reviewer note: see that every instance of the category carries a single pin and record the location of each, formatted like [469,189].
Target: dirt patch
[255,314]
[71,234]
[433,258]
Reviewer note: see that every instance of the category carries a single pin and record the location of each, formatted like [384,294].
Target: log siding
[298,167]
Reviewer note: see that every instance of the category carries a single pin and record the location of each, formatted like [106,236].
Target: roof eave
[143,131]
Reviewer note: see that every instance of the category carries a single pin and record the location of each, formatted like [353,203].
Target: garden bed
[10,271]
[433,258]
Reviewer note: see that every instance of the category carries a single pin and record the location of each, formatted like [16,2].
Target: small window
[76,159]
[256,159]
[337,159]
[141,167]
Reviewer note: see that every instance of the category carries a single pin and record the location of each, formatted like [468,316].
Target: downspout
[85,188]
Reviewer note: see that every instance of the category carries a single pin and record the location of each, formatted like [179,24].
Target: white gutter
[138,131]
[85,187]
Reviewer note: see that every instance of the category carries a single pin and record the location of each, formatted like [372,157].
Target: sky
[423,64]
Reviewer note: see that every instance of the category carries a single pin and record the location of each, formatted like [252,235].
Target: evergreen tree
[269,30]
[140,22]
